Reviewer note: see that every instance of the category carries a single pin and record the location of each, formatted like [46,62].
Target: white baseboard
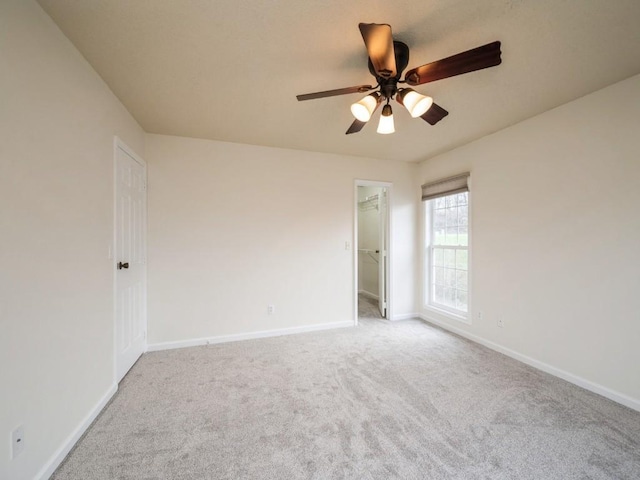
[372,296]
[545,367]
[71,440]
[153,347]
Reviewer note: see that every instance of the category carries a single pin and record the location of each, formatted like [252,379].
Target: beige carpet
[385,400]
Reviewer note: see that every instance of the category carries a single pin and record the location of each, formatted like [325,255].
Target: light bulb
[386,121]
[363,109]
[416,104]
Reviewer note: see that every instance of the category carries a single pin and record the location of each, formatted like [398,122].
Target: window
[447,250]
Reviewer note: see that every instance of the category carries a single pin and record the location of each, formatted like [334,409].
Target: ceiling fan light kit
[363,109]
[416,104]
[387,60]
[386,121]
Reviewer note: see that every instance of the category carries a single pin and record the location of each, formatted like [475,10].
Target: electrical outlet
[271,309]
[500,322]
[17,441]
[479,315]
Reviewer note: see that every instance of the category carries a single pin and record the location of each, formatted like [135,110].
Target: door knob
[123,265]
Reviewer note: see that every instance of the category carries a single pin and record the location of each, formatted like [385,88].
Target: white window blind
[446,186]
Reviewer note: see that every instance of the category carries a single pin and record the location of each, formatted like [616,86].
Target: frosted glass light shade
[386,121]
[415,103]
[363,109]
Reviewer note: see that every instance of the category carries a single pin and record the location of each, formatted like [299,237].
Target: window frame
[427,251]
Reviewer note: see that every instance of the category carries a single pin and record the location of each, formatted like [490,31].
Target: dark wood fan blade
[434,114]
[379,43]
[333,93]
[475,59]
[355,127]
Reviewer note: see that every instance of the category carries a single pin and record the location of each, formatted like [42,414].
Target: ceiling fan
[387,60]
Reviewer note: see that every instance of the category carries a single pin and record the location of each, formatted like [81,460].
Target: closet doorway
[372,250]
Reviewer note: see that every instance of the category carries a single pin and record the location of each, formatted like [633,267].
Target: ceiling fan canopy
[388,58]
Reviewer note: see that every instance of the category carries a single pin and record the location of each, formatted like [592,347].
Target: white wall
[234,228]
[368,239]
[57,123]
[556,235]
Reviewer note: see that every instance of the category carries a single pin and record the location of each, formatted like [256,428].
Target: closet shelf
[370,253]
[369,203]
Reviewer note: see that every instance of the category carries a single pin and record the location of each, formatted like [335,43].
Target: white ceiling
[230,70]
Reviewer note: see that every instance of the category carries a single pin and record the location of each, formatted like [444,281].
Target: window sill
[446,314]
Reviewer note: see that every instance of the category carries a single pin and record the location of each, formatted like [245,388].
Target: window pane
[440,202]
[449,257]
[461,300]
[451,200]
[462,259]
[438,275]
[461,280]
[450,297]
[440,238]
[463,236]
[439,294]
[439,218]
[452,236]
[438,257]
[463,215]
[462,198]
[452,216]
[449,277]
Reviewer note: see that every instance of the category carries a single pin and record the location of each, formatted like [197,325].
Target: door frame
[119,144]
[388,224]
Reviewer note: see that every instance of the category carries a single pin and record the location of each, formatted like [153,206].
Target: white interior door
[382,263]
[130,259]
